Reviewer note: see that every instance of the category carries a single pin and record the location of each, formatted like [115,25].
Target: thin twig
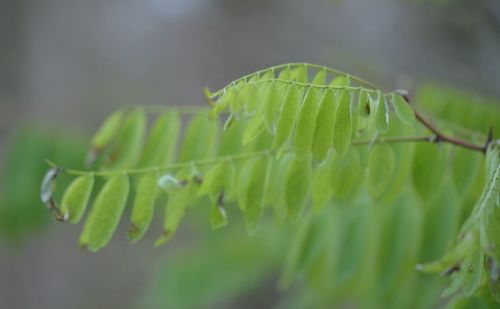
[441,137]
[243,156]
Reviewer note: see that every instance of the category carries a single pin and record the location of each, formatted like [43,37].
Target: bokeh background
[64,65]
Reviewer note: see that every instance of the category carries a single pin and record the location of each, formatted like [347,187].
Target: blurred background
[65,65]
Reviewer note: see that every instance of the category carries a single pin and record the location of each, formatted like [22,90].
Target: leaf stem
[243,156]
[291,82]
[310,65]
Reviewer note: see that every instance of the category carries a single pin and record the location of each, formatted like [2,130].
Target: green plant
[378,175]
[22,168]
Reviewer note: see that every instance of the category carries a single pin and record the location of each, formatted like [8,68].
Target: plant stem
[237,157]
[440,137]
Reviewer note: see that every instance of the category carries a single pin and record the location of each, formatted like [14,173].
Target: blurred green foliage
[355,253]
[21,211]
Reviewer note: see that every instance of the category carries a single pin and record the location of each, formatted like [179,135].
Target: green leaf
[218,217]
[252,191]
[319,78]
[428,169]
[76,198]
[106,213]
[108,130]
[287,116]
[299,74]
[382,114]
[465,166]
[216,179]
[341,81]
[200,139]
[403,110]
[381,168]
[347,174]
[143,207]
[285,74]
[162,141]
[179,196]
[364,107]
[306,122]
[488,206]
[322,190]
[231,140]
[342,128]
[295,252]
[256,125]
[297,187]
[129,141]
[325,122]
[272,103]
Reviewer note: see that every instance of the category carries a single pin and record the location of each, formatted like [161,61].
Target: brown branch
[441,137]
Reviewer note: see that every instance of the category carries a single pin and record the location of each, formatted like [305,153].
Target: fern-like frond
[309,108]
[473,261]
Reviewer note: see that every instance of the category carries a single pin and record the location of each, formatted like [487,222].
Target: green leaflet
[322,190]
[347,174]
[403,153]
[76,198]
[364,107]
[342,128]
[230,142]
[488,206]
[106,213]
[295,252]
[382,114]
[381,168]
[467,279]
[352,245]
[275,194]
[323,131]
[306,122]
[319,78]
[236,99]
[162,141]
[253,183]
[200,139]
[428,169]
[465,166]
[341,80]
[107,131]
[261,143]
[129,141]
[401,230]
[403,110]
[287,116]
[218,216]
[272,103]
[297,187]
[176,207]
[285,74]
[179,195]
[256,125]
[354,125]
[143,207]
[299,74]
[217,178]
